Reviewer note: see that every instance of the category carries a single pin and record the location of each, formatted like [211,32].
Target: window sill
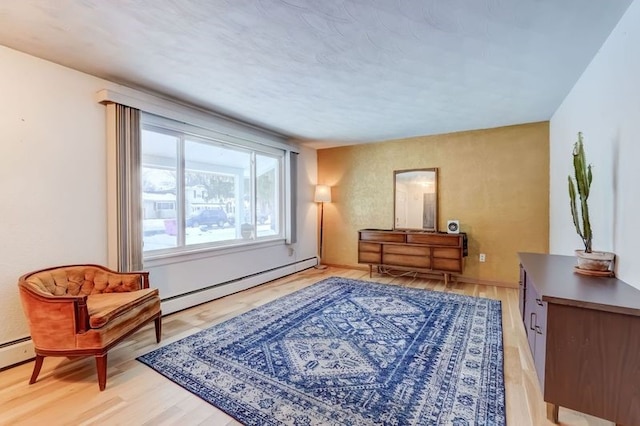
[203,253]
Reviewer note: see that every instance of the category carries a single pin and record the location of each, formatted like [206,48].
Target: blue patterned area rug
[347,352]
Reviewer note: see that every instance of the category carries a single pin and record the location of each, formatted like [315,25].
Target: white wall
[54,188]
[604,105]
[52,174]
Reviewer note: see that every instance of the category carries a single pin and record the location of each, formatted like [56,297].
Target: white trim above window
[174,110]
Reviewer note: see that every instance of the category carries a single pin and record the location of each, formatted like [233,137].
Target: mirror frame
[433,208]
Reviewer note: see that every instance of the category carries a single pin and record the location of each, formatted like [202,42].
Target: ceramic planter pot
[595,261]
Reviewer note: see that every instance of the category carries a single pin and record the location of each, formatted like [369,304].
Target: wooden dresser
[584,334]
[418,251]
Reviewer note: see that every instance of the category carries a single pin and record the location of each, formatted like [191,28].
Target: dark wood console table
[584,334]
[418,251]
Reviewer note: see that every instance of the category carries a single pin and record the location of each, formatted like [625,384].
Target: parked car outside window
[208,217]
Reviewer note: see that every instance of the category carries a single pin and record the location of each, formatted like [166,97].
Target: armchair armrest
[49,315]
[55,308]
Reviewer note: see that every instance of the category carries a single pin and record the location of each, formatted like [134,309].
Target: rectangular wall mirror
[416,199]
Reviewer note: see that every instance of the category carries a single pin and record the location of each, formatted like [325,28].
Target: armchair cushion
[107,306]
[119,325]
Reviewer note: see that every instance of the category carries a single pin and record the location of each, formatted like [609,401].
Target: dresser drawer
[448,265]
[369,257]
[447,253]
[406,250]
[369,247]
[435,239]
[404,255]
[369,252]
[393,259]
[387,237]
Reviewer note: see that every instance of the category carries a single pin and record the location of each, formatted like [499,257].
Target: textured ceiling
[332,71]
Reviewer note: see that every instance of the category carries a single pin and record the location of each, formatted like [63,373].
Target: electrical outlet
[483,257]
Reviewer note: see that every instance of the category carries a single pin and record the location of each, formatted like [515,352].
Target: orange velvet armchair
[86,310]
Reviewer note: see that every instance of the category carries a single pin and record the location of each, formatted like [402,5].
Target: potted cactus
[579,188]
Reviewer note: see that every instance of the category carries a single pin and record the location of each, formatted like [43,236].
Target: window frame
[187,132]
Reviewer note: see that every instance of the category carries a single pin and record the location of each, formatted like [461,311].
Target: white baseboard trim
[186,301]
[16,353]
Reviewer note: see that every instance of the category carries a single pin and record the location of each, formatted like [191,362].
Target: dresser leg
[446,279]
[552,412]
[370,271]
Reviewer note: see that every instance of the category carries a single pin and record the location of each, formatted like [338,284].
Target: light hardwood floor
[66,392]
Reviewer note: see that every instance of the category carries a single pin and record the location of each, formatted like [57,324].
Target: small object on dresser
[589,262]
[595,263]
[453,227]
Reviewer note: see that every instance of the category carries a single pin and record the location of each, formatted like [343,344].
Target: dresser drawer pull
[532,320]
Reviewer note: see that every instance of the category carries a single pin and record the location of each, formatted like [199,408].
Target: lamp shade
[323,194]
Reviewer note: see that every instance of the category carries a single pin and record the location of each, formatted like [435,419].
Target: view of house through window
[199,192]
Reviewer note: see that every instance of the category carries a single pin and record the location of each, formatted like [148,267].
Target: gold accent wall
[494,181]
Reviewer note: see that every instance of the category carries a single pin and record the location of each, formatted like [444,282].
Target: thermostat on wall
[453,227]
